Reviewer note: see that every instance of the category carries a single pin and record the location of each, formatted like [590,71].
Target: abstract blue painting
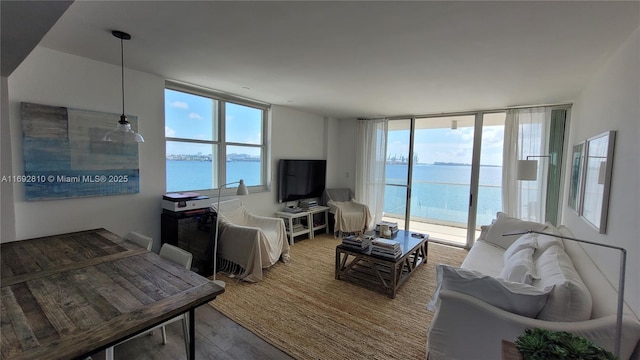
[65,157]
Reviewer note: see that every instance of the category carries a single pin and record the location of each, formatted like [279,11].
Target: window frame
[220,170]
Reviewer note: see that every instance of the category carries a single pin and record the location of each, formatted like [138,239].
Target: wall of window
[213,139]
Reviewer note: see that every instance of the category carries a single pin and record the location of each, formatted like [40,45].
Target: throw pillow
[570,299]
[483,233]
[524,241]
[518,298]
[546,241]
[519,267]
[508,225]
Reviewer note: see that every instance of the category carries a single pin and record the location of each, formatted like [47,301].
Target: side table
[291,218]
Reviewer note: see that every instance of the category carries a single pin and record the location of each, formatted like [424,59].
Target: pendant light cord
[122,71]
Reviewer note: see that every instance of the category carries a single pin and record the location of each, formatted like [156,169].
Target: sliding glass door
[441,178]
[397,187]
[437,166]
[489,199]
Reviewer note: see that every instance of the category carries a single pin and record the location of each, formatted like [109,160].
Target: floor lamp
[623,264]
[242,190]
[528,169]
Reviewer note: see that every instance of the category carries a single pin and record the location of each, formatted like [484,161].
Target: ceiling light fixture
[123,132]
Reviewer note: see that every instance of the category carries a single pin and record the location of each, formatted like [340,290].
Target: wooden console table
[70,295]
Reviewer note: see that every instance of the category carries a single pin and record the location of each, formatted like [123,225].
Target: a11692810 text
[64,179]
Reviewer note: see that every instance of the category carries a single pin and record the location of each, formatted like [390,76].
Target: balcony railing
[442,203]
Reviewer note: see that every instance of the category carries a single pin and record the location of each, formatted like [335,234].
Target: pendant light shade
[123,132]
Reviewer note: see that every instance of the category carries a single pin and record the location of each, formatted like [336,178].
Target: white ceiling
[360,59]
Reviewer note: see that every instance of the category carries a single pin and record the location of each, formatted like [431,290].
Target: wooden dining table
[70,295]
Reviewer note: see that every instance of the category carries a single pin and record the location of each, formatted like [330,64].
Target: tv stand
[293,222]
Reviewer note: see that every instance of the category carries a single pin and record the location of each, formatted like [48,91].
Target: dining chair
[142,240]
[180,257]
[183,258]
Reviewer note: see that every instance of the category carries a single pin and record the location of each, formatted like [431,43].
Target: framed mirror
[596,180]
[577,158]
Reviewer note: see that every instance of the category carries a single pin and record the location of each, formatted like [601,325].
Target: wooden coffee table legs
[380,274]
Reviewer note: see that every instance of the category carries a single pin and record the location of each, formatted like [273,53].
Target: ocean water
[179,176]
[440,192]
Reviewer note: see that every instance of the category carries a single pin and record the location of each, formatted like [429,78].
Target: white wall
[347,148]
[7,213]
[295,135]
[611,102]
[54,78]
[332,150]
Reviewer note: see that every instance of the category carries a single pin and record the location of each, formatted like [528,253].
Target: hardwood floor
[217,337]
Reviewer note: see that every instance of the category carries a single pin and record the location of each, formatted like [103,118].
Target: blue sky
[447,145]
[191,117]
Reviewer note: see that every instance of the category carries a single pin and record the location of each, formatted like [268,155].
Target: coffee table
[380,273]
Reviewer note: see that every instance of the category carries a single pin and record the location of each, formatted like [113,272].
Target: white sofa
[472,325]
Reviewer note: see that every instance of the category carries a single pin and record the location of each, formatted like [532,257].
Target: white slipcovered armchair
[349,215]
[248,243]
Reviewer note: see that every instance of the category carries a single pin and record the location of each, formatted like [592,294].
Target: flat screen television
[301,179]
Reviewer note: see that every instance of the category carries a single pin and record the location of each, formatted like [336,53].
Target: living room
[604,96]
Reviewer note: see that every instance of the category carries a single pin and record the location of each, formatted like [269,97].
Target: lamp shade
[527,170]
[123,133]
[242,189]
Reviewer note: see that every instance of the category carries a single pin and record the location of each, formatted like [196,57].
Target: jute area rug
[303,310]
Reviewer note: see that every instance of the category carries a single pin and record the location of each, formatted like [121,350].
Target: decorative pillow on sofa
[519,267]
[570,299]
[540,242]
[546,241]
[505,224]
[525,241]
[543,242]
[517,298]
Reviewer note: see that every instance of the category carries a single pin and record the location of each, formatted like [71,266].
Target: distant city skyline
[445,145]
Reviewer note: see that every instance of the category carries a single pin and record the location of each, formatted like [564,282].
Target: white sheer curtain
[370,165]
[526,133]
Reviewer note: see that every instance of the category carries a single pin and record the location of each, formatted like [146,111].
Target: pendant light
[123,132]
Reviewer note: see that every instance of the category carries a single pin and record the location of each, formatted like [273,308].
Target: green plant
[541,344]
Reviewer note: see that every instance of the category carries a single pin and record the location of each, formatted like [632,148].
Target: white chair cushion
[505,224]
[570,299]
[519,267]
[510,296]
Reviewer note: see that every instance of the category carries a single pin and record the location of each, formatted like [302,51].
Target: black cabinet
[192,231]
